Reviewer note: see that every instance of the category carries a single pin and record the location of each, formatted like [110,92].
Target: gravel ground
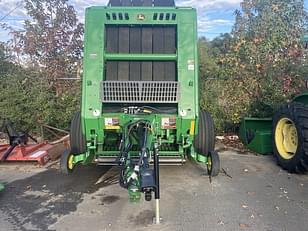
[255,194]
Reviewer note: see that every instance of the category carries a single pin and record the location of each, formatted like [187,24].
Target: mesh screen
[139,92]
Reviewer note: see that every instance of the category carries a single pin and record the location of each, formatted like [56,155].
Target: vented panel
[136,39]
[140,71]
[140,39]
[170,3]
[164,16]
[139,92]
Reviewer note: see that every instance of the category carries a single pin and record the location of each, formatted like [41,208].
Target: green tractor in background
[285,135]
[140,94]
[290,135]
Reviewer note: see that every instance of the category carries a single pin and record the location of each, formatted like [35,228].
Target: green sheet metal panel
[302,98]
[95,57]
[256,134]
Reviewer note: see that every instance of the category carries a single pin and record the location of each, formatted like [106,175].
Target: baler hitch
[135,173]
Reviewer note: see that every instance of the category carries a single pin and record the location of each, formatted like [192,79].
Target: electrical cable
[11,11]
[159,110]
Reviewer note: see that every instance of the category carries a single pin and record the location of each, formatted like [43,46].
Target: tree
[51,48]
[209,51]
[210,75]
[260,65]
[266,52]
[5,64]
[52,39]
[221,44]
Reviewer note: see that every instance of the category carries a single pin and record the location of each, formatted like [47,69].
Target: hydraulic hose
[129,132]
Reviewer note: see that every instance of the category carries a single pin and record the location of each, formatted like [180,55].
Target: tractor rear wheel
[204,141]
[290,137]
[77,140]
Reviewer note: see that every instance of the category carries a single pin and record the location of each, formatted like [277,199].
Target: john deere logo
[140,17]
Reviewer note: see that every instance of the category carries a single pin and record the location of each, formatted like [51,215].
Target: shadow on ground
[35,203]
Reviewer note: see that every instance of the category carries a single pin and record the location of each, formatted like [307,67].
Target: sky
[214,16]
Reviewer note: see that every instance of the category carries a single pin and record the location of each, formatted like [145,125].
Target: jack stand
[157,188]
[157,215]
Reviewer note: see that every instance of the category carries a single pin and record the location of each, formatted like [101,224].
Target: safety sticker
[112,123]
[191,65]
[168,123]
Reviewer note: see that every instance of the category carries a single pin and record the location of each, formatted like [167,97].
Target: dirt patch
[109,199]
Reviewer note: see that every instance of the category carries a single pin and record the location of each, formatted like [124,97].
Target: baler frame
[96,55]
[161,106]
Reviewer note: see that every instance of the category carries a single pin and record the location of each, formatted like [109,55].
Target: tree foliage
[50,47]
[263,65]
[27,100]
[250,72]
[52,39]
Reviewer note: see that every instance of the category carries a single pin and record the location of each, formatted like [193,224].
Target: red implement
[41,152]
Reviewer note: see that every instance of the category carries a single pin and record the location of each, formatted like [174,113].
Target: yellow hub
[209,163]
[286,138]
[70,163]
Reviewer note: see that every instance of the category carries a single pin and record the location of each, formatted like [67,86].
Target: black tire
[204,141]
[77,141]
[213,166]
[64,163]
[294,115]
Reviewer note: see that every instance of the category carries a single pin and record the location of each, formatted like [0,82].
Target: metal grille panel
[140,92]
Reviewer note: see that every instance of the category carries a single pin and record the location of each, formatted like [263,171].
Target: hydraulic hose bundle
[135,173]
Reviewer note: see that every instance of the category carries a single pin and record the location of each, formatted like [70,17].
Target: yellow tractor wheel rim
[70,163]
[209,163]
[286,138]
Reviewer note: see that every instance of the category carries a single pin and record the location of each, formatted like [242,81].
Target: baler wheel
[213,164]
[67,162]
[290,137]
[204,141]
[77,141]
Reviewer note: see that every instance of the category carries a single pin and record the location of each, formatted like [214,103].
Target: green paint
[198,158]
[79,158]
[302,98]
[1,187]
[134,194]
[143,57]
[256,134]
[174,142]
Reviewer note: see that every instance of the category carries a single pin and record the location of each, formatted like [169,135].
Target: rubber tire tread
[204,141]
[64,163]
[215,164]
[298,113]
[77,140]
